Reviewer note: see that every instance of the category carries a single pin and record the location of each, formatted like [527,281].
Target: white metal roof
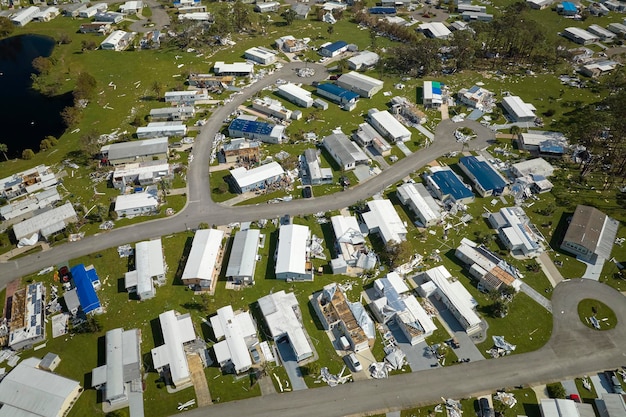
[418,313]
[294,90]
[114,38]
[236,67]
[234,329]
[260,52]
[360,80]
[391,124]
[281,319]
[148,263]
[581,33]
[165,128]
[537,166]
[347,224]
[243,253]
[246,178]
[203,255]
[176,330]
[536,137]
[29,391]
[424,203]
[383,216]
[56,216]
[518,107]
[137,200]
[364,58]
[136,148]
[558,407]
[292,247]
[397,282]
[456,294]
[342,148]
[134,169]
[437,29]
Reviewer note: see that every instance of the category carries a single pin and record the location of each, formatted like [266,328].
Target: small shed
[50,362]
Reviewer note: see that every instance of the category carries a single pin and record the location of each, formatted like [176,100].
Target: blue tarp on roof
[451,185]
[83,280]
[552,147]
[335,46]
[484,174]
[345,95]
[382,10]
[436,87]
[250,126]
[568,6]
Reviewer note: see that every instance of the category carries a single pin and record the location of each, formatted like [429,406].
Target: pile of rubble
[506,398]
[331,379]
[305,72]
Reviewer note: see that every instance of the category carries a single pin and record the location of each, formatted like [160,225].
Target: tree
[28,154]
[157,89]
[42,64]
[89,143]
[556,390]
[330,30]
[85,87]
[87,45]
[515,130]
[64,39]
[71,116]
[44,145]
[4,149]
[398,253]
[290,16]
[6,26]
[499,309]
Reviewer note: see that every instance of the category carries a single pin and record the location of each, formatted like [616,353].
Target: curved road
[573,350]
[200,208]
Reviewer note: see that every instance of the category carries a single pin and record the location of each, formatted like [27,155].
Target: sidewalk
[5,257]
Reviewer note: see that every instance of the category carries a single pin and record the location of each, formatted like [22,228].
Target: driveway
[290,363]
[540,299]
[600,384]
[418,356]
[570,387]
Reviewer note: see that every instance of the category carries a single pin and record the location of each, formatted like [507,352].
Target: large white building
[137,204]
[388,126]
[118,40]
[203,263]
[135,151]
[121,373]
[417,198]
[382,218]
[257,178]
[243,256]
[438,282]
[284,320]
[292,260]
[236,335]
[363,59]
[296,95]
[437,30]
[260,55]
[170,358]
[241,69]
[149,269]
[28,391]
[46,223]
[579,35]
[395,302]
[345,152]
[24,16]
[361,84]
[518,110]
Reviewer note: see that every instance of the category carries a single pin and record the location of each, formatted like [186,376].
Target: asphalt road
[573,350]
[200,208]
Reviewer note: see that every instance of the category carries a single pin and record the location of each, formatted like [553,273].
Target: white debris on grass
[333,380]
[453,407]
[124,251]
[379,370]
[506,398]
[46,270]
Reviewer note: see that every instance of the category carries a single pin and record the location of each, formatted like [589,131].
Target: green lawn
[588,308]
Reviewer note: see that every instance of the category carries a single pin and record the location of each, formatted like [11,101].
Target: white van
[343,343]
[354,363]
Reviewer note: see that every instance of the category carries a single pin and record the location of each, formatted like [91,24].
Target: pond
[28,115]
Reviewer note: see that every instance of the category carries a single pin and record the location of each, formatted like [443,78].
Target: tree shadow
[182,262]
[559,232]
[270,272]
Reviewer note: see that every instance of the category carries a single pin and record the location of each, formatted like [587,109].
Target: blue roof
[251,126]
[451,185]
[83,280]
[569,6]
[382,10]
[335,46]
[484,173]
[550,146]
[342,93]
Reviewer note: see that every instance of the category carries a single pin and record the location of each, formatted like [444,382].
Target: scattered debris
[506,398]
[333,380]
[107,225]
[379,370]
[453,407]
[125,251]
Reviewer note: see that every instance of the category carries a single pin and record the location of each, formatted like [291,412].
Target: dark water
[27,116]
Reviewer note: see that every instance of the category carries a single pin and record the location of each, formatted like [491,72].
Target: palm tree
[4,149]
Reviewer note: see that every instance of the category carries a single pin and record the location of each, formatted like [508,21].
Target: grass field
[593,308]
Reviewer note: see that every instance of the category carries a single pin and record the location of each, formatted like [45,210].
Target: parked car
[484,409]
[575,398]
[64,274]
[306,192]
[617,386]
[354,363]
